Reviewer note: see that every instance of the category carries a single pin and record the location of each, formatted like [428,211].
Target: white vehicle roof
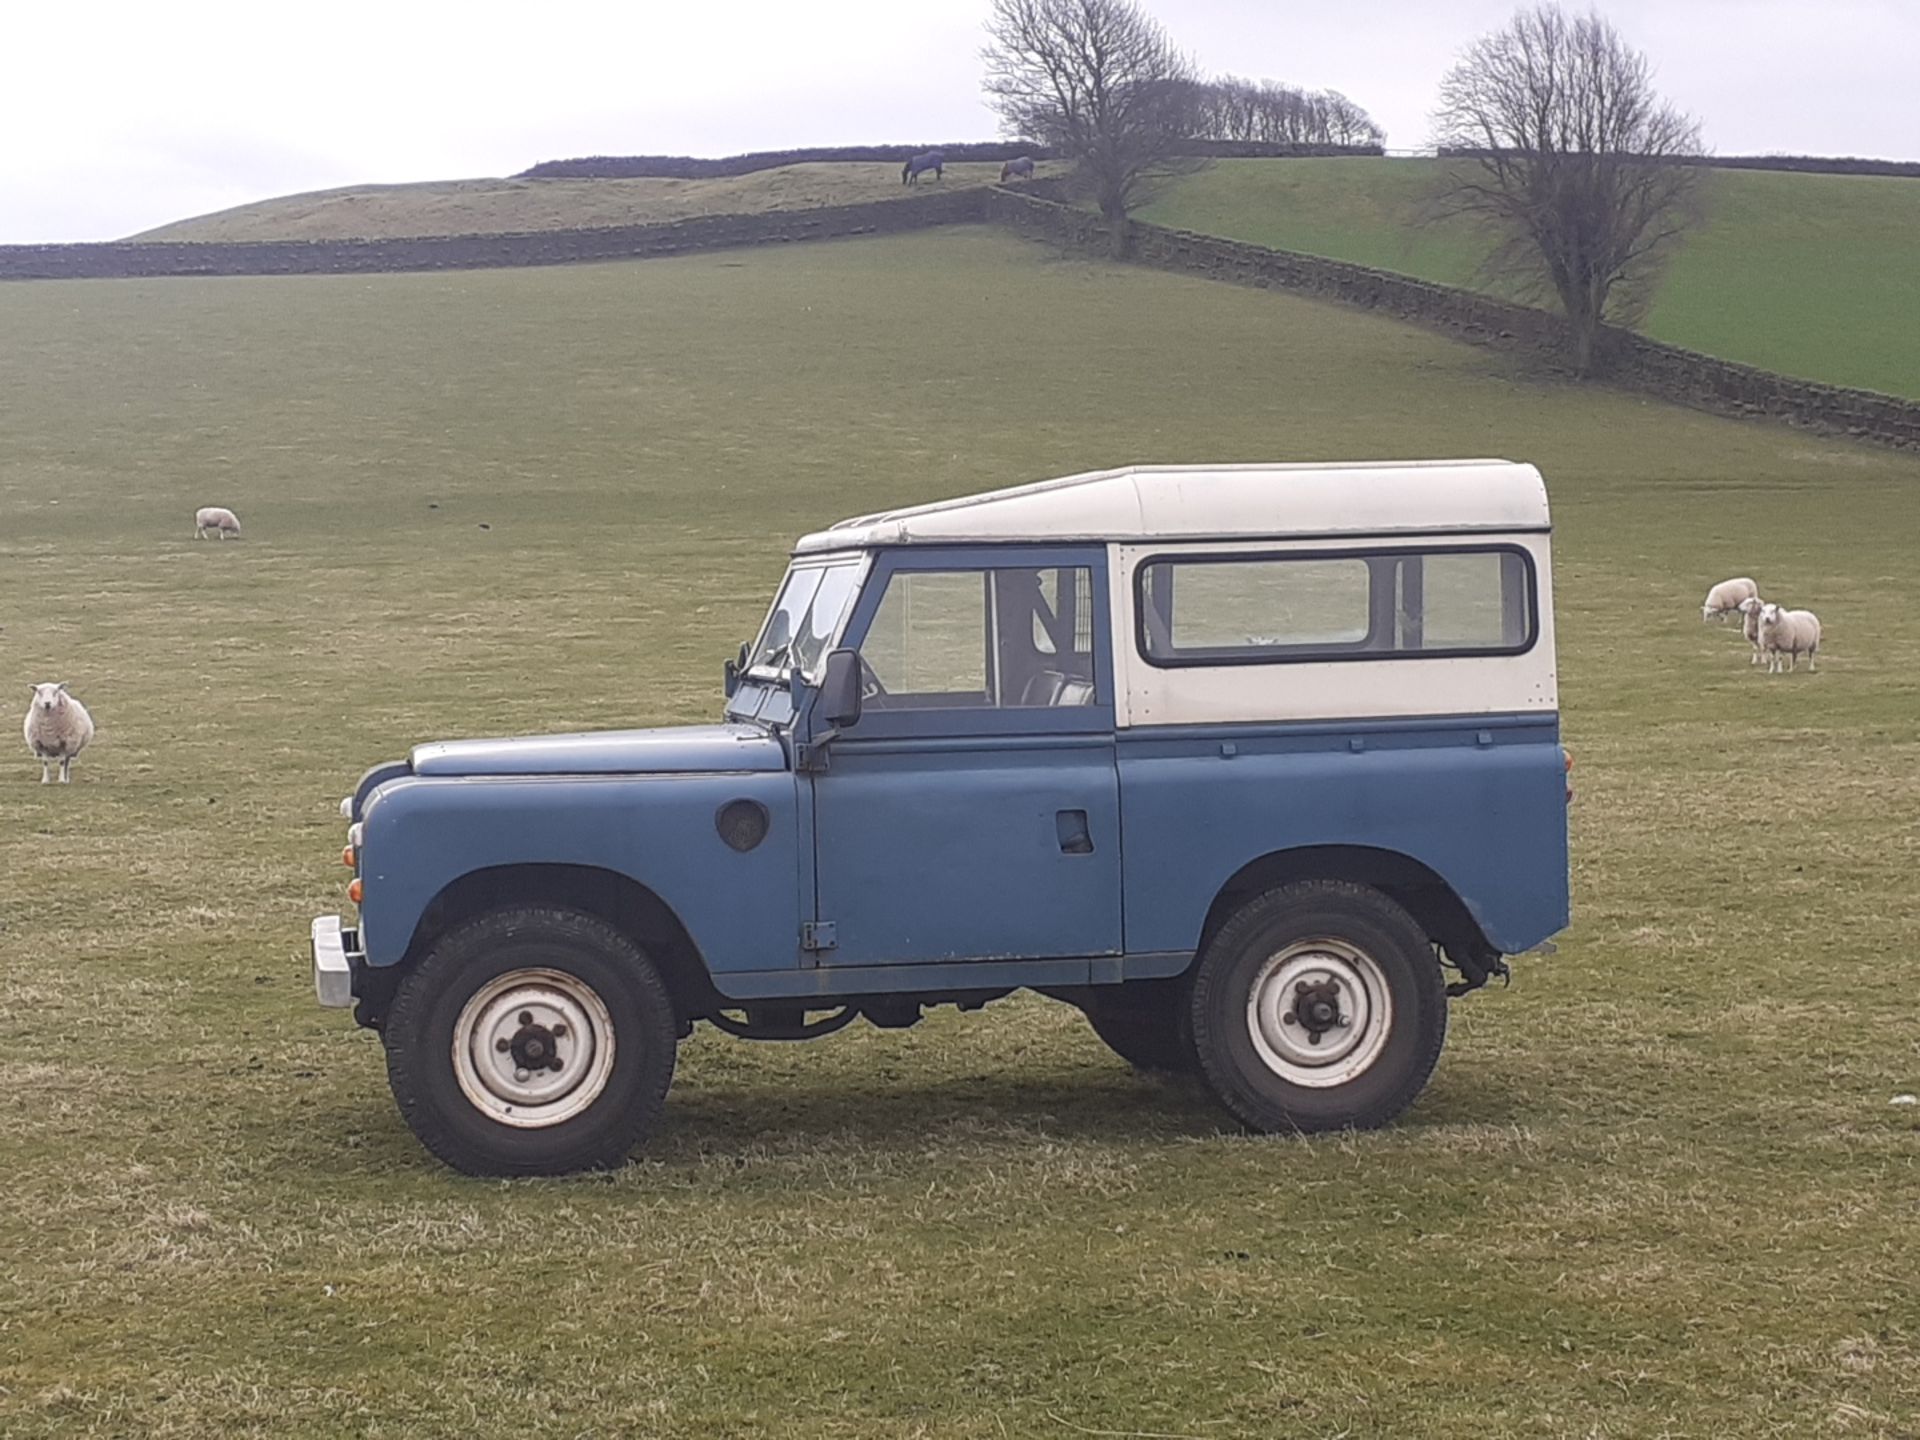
[1218,502]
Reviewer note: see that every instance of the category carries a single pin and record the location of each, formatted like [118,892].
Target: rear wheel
[1145,1024]
[531,1042]
[1318,1006]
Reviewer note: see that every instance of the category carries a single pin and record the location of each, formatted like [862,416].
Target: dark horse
[1021,169]
[911,172]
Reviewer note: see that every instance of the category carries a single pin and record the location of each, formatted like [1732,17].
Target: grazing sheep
[1724,598]
[58,728]
[1791,633]
[217,518]
[1750,625]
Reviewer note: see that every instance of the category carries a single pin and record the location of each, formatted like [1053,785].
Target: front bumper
[332,969]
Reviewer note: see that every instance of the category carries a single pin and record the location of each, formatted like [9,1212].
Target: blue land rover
[1245,762]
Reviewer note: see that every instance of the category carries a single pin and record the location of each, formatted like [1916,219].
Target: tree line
[1568,161]
[1273,112]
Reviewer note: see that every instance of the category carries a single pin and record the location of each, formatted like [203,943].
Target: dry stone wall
[124,259]
[1668,371]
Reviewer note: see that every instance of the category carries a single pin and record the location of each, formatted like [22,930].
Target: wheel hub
[1316,1007]
[1318,1012]
[537,1047]
[533,1048]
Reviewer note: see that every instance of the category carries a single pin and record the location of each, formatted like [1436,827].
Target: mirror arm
[836,702]
[811,757]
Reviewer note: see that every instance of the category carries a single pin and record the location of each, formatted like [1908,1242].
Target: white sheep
[1724,599]
[217,518]
[58,728]
[1791,633]
[1750,625]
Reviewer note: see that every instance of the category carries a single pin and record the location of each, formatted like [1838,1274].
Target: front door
[973,811]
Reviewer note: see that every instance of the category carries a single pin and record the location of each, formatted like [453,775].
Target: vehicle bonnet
[672,750]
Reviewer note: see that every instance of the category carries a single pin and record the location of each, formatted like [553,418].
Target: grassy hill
[467,207]
[1655,1188]
[1809,275]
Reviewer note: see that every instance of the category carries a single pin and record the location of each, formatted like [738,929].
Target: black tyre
[531,1042]
[1145,1023]
[1318,1006]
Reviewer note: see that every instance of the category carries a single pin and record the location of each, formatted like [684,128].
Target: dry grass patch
[482,207]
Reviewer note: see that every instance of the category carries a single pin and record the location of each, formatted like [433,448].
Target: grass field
[466,207]
[1656,1188]
[1810,275]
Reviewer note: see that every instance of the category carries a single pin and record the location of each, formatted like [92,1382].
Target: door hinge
[817,935]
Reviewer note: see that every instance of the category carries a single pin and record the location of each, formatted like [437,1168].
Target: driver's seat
[1043,687]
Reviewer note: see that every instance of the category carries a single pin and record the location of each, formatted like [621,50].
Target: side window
[1008,638]
[1258,603]
[928,639]
[1238,610]
[1475,600]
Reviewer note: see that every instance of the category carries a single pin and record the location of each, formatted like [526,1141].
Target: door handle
[1075,837]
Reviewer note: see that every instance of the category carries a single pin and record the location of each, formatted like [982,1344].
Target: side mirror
[729,678]
[839,700]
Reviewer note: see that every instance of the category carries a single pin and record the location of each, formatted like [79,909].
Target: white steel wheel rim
[1288,1003]
[533,1048]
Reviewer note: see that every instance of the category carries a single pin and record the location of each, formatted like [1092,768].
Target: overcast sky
[122,116]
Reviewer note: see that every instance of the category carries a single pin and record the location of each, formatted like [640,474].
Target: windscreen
[805,618]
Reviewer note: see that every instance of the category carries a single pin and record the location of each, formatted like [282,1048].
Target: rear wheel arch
[1417,888]
[617,899]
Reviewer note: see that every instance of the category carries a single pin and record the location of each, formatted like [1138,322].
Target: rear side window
[1361,605]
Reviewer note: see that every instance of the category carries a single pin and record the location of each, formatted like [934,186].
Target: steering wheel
[870,686]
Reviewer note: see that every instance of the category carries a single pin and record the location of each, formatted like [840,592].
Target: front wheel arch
[608,895]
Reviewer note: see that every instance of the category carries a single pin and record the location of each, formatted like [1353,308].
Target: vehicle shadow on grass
[751,1122]
[1103,1105]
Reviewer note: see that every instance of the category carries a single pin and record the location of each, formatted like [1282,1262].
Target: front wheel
[1318,1006]
[531,1042]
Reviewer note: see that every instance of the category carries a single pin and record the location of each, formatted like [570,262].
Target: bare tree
[1100,83]
[1350,124]
[1570,159]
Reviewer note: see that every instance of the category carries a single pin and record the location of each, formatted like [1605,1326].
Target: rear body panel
[1479,800]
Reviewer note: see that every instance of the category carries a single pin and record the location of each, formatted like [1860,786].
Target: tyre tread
[409,1052]
[1266,1112]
